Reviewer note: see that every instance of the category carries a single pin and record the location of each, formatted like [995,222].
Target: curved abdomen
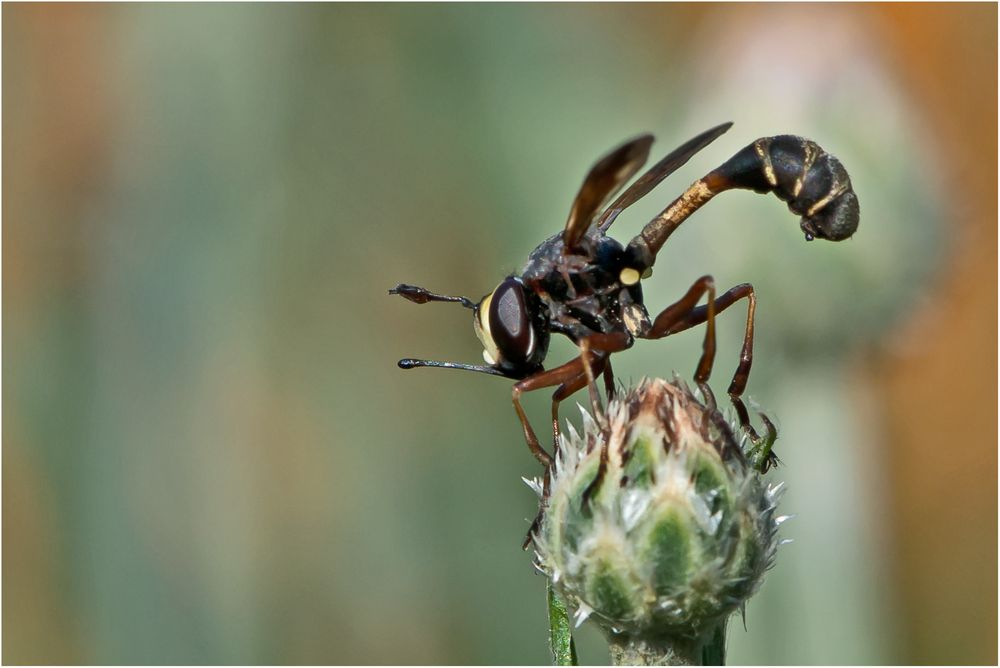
[812,182]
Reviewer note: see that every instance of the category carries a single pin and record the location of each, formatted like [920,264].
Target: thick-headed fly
[585,285]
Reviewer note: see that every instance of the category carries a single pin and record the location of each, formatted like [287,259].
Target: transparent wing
[661,170]
[604,179]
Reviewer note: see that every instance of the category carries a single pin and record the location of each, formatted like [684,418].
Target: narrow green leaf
[560,631]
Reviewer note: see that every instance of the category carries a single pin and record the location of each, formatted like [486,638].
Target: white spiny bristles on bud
[656,526]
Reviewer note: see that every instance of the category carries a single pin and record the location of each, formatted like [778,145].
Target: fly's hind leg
[609,380]
[681,321]
[669,320]
[675,319]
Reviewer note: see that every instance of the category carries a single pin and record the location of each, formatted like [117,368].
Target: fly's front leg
[588,370]
[570,377]
[599,363]
[700,314]
[595,359]
[568,388]
[606,344]
[602,345]
[566,375]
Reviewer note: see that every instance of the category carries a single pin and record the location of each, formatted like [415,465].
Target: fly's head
[512,324]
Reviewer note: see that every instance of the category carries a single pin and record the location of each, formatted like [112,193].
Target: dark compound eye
[510,324]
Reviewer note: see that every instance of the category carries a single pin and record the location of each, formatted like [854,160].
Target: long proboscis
[409,363]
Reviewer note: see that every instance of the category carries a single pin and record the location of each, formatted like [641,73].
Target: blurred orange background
[209,455]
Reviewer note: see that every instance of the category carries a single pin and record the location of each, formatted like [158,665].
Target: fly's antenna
[408,363]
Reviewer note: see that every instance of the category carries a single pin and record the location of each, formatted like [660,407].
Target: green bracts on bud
[656,526]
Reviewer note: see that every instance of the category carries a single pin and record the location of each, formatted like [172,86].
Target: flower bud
[655,524]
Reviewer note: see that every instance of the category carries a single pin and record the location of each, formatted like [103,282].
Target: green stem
[560,631]
[714,651]
[708,650]
[627,651]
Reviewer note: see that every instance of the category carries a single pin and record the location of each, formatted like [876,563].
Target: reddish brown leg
[710,404]
[609,379]
[557,376]
[570,387]
[571,378]
[607,344]
[600,346]
[588,370]
[567,388]
[698,315]
[744,417]
[679,311]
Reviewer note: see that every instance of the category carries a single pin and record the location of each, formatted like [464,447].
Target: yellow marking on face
[482,326]
[629,276]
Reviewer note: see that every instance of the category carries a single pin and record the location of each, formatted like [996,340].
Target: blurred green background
[209,454]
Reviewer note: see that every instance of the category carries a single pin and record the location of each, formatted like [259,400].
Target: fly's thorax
[591,290]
